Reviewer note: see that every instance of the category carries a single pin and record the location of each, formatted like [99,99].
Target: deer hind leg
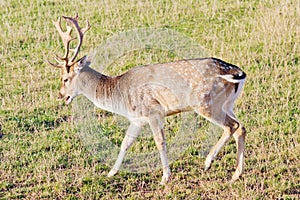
[239,136]
[156,125]
[231,127]
[131,134]
[217,147]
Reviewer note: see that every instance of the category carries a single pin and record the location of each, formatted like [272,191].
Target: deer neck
[98,88]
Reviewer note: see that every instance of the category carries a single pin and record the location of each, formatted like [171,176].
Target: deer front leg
[131,134]
[156,126]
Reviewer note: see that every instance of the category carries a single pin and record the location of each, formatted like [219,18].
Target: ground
[42,155]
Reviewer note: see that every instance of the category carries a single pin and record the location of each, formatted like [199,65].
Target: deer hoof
[112,173]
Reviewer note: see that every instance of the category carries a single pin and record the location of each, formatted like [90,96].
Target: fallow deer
[147,94]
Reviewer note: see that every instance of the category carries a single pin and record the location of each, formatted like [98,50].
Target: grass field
[42,154]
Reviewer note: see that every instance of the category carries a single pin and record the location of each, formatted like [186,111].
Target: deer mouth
[68,99]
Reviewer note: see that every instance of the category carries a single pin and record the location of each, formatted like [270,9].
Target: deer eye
[66,80]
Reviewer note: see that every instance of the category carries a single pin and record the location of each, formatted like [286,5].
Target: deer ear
[81,63]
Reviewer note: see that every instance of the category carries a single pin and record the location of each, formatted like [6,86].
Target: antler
[67,38]
[80,33]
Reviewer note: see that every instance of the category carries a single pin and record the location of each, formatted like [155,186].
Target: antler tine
[66,38]
[59,64]
[87,27]
[55,65]
[80,33]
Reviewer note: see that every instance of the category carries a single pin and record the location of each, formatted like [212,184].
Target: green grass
[42,154]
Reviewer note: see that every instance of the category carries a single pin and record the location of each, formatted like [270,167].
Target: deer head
[69,67]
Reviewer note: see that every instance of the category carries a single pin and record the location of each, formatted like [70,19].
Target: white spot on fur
[229,78]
